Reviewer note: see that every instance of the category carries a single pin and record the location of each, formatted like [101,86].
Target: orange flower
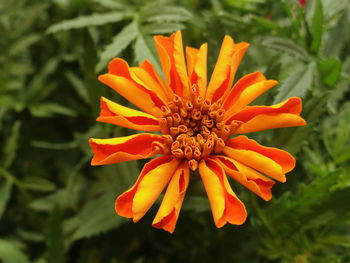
[200,125]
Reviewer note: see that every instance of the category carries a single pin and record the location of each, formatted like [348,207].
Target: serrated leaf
[161,28]
[286,46]
[38,184]
[78,85]
[5,194]
[165,14]
[49,109]
[128,34]
[11,145]
[9,253]
[143,51]
[85,21]
[54,240]
[330,70]
[315,24]
[297,84]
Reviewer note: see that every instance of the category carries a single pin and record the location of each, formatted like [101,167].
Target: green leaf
[11,145]
[161,28]
[155,13]
[78,85]
[54,240]
[85,21]
[49,109]
[143,51]
[9,253]
[38,184]
[119,43]
[297,84]
[286,46]
[5,194]
[330,71]
[315,23]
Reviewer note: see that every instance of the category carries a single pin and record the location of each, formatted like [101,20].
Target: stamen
[193,129]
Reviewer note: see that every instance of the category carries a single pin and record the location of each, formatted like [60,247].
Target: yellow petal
[117,114]
[153,178]
[242,84]
[169,210]
[246,176]
[225,69]
[122,149]
[249,94]
[197,68]
[170,51]
[266,122]
[268,160]
[225,205]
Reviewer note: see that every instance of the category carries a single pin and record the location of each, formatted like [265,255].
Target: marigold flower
[200,125]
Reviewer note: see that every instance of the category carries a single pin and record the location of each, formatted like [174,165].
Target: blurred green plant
[54,207]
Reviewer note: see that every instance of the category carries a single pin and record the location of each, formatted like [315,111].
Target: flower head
[200,125]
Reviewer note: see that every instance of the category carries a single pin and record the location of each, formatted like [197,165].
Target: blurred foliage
[54,207]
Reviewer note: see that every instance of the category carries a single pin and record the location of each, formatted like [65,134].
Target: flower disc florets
[194,129]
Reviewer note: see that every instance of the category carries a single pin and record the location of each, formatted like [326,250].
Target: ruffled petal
[170,51]
[258,118]
[246,90]
[225,69]
[122,149]
[169,210]
[152,180]
[197,68]
[124,81]
[225,205]
[117,114]
[248,177]
[270,161]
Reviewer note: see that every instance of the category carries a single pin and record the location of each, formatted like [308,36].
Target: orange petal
[147,66]
[152,180]
[225,205]
[169,210]
[225,69]
[270,161]
[258,118]
[122,149]
[117,114]
[170,51]
[248,177]
[197,68]
[242,84]
[245,91]
[126,83]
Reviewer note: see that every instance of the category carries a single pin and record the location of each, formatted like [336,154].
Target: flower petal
[270,161]
[152,180]
[242,84]
[197,68]
[147,66]
[170,51]
[246,90]
[258,118]
[122,149]
[248,177]
[117,114]
[124,81]
[169,210]
[225,205]
[225,69]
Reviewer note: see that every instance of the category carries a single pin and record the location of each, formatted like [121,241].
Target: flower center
[194,129]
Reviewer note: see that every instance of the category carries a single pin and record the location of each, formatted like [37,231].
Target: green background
[55,207]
